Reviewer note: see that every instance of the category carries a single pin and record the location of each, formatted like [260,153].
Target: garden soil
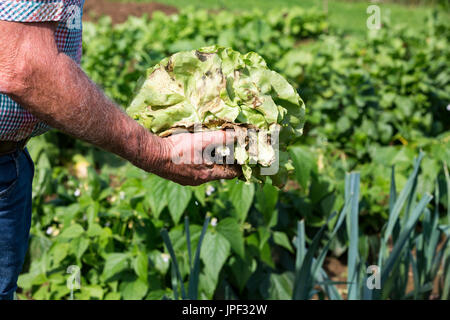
[119,12]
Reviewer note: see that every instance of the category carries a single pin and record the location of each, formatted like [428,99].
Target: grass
[348,16]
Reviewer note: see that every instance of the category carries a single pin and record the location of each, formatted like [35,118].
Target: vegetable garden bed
[373,103]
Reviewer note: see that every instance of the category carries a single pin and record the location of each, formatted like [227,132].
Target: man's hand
[52,87]
[186,158]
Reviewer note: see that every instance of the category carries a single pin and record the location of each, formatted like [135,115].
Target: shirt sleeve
[33,11]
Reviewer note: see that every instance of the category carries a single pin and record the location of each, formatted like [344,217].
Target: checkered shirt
[16,123]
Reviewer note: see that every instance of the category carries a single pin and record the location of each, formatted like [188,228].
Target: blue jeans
[16,175]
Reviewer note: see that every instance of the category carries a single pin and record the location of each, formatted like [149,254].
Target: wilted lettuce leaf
[220,88]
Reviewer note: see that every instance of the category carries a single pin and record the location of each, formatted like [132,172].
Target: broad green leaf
[94,230]
[266,201]
[156,190]
[157,295]
[207,285]
[266,255]
[304,163]
[178,198]
[59,252]
[281,286]
[216,249]
[160,261]
[38,246]
[140,265]
[264,235]
[135,290]
[200,193]
[79,246]
[112,296]
[59,291]
[242,269]
[27,280]
[114,264]
[94,291]
[281,239]
[73,231]
[230,229]
[241,196]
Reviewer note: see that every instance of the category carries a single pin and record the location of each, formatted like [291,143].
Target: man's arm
[55,89]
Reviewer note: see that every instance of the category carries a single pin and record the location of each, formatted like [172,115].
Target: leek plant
[194,267]
[422,252]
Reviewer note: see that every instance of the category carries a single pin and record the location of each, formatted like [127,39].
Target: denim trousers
[16,175]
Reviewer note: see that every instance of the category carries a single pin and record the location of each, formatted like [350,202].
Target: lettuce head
[218,88]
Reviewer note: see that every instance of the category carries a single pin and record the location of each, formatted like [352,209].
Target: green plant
[391,88]
[177,281]
[393,265]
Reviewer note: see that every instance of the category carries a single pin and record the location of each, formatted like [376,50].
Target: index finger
[217,137]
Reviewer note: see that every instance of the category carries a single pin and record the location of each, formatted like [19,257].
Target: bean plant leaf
[140,265]
[242,269]
[156,194]
[304,163]
[200,193]
[115,263]
[73,231]
[281,239]
[134,290]
[59,252]
[79,246]
[178,198]
[230,229]
[241,196]
[216,249]
[281,286]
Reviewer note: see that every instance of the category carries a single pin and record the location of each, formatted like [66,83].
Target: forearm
[58,92]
